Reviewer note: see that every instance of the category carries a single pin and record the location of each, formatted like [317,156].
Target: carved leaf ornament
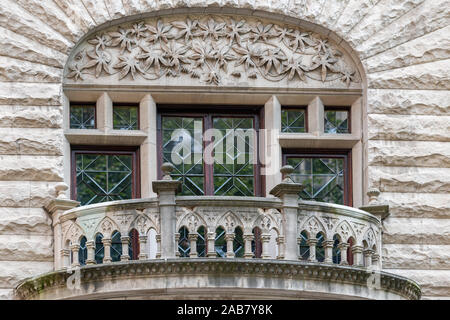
[211,49]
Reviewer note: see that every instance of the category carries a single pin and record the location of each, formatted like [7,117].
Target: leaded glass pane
[322,178]
[103,177]
[336,122]
[82,252]
[233,156]
[336,250]
[238,243]
[320,250]
[82,117]
[182,145]
[116,246]
[125,118]
[293,120]
[183,243]
[304,247]
[201,242]
[220,244]
[99,249]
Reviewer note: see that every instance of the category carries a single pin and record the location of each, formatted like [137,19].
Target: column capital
[193,237]
[75,247]
[357,249]
[328,243]
[125,239]
[343,245]
[106,241]
[229,236]
[143,238]
[310,242]
[368,252]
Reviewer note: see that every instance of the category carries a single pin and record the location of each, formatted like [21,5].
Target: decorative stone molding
[53,284]
[216,50]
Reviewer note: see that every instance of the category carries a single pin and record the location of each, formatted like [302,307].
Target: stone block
[31,141]
[31,168]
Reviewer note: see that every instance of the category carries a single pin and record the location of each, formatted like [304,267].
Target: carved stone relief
[216,50]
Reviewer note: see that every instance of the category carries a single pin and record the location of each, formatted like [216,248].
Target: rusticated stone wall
[404,48]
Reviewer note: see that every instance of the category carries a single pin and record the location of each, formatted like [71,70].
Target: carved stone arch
[143,224]
[106,227]
[74,233]
[313,226]
[262,49]
[345,231]
[267,220]
[229,221]
[370,238]
[191,220]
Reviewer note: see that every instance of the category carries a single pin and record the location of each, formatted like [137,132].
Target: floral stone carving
[215,50]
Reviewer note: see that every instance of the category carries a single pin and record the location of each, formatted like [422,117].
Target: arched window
[336,250]
[116,246]
[184,246]
[99,248]
[220,244]
[201,242]
[133,248]
[320,250]
[82,252]
[238,243]
[304,247]
[152,246]
[256,242]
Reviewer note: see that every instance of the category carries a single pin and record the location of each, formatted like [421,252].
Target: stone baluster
[312,249]
[368,257]
[56,208]
[107,249]
[328,246]
[280,244]
[229,237]
[343,248]
[177,240]
[75,250]
[265,238]
[248,238]
[193,243]
[90,245]
[142,248]
[357,255]
[125,244]
[288,192]
[158,246]
[211,245]
[166,189]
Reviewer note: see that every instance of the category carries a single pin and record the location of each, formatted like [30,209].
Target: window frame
[346,154]
[81,104]
[207,113]
[106,150]
[347,109]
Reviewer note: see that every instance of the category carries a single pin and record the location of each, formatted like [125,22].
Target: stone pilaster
[280,243]
[125,244]
[142,247]
[357,255]
[90,245]
[288,192]
[107,249]
[193,243]
[211,245]
[265,238]
[343,247]
[328,246]
[166,190]
[312,243]
[248,238]
[229,237]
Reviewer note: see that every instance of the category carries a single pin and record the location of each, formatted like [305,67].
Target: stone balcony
[216,247]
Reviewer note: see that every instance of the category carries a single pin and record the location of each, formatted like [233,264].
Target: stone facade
[403,49]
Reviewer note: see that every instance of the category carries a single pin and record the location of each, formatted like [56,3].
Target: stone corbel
[375,206]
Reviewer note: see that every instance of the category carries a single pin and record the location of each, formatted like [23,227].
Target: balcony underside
[216,278]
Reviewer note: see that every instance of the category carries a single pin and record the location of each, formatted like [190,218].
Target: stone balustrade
[170,226]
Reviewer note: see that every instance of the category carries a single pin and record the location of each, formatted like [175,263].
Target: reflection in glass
[82,116]
[336,122]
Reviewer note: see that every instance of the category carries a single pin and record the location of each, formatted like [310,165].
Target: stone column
[65,258]
[367,257]
[177,239]
[166,190]
[125,243]
[265,238]
[343,247]
[248,238]
[193,242]
[142,248]
[211,245]
[376,261]
[312,249]
[107,248]
[288,192]
[90,245]
[280,243]
[75,249]
[328,246]
[357,255]
[56,208]
[229,237]
[158,246]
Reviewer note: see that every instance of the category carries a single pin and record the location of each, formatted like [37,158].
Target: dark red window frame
[106,150]
[207,112]
[328,153]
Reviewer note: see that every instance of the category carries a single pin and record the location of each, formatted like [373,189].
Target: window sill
[109,137]
[308,140]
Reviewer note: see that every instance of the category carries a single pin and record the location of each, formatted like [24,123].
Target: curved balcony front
[216,247]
